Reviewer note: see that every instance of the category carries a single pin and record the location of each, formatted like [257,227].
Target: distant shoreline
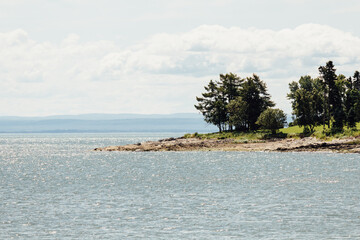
[308,144]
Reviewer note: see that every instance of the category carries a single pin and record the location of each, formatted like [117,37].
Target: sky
[154,56]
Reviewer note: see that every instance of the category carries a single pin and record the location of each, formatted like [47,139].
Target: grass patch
[290,132]
[240,137]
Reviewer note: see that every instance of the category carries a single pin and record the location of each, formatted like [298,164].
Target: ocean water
[52,186]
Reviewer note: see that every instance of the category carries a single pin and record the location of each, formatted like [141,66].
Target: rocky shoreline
[308,144]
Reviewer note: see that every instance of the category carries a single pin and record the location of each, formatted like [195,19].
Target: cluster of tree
[329,99]
[235,103]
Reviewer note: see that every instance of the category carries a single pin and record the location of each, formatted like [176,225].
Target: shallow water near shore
[52,186]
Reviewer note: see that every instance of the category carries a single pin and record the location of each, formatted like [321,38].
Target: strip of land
[307,144]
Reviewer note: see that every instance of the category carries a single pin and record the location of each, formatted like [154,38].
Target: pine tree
[212,106]
[254,93]
[229,85]
[237,114]
[307,102]
[233,101]
[356,95]
[333,105]
[356,81]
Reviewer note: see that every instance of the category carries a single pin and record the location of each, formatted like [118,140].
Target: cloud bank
[161,74]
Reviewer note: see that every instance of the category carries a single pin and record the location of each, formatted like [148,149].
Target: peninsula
[308,144]
[325,109]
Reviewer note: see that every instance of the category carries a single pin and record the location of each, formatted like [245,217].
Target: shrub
[272,119]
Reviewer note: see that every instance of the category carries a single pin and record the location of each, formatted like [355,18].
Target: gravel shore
[308,144]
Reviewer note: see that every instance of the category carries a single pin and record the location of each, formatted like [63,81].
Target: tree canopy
[272,119]
[234,102]
[244,104]
[330,99]
[307,101]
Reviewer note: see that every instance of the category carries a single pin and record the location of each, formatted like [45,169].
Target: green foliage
[356,80]
[233,101]
[194,135]
[237,113]
[293,130]
[321,133]
[290,132]
[229,85]
[272,119]
[187,135]
[332,100]
[352,100]
[333,97]
[212,105]
[275,135]
[307,101]
[254,93]
[238,137]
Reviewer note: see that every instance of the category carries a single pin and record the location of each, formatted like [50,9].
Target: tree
[229,85]
[333,106]
[356,95]
[357,80]
[272,119]
[212,106]
[352,100]
[307,102]
[254,93]
[334,98]
[233,101]
[237,112]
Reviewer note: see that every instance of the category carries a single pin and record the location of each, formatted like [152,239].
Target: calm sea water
[53,187]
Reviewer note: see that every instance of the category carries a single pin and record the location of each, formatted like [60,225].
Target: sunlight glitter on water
[54,186]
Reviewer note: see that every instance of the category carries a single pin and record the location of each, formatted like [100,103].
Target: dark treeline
[235,103]
[243,104]
[330,100]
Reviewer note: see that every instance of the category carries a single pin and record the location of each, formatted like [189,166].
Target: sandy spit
[308,144]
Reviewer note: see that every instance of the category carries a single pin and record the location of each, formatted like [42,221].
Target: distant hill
[180,122]
[101,116]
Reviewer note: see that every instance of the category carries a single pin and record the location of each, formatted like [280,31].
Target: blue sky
[77,56]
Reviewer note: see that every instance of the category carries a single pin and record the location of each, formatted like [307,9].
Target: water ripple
[53,187]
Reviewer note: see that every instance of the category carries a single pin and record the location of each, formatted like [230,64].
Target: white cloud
[211,49]
[163,73]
